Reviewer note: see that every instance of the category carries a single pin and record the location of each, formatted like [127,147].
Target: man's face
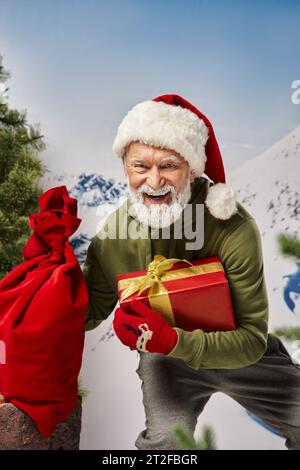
[159,182]
[145,164]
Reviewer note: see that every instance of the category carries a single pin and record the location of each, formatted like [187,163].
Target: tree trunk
[19,432]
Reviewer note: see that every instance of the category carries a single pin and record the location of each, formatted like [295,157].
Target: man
[166,145]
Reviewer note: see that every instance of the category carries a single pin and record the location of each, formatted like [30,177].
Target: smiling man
[159,183]
[172,161]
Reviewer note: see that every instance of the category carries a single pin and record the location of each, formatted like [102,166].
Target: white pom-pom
[220,201]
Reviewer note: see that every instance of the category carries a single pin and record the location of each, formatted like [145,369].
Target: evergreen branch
[82,392]
[208,439]
[290,333]
[20,170]
[184,437]
[186,441]
[289,245]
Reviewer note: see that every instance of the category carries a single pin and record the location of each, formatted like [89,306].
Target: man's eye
[169,165]
[139,165]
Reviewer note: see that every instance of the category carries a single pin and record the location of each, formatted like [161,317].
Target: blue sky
[79,65]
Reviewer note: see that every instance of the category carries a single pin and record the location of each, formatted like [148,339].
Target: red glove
[146,331]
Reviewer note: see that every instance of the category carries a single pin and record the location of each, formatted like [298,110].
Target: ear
[192,176]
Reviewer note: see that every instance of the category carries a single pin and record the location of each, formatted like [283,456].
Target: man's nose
[155,179]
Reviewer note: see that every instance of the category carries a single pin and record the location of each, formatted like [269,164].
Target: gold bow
[158,295]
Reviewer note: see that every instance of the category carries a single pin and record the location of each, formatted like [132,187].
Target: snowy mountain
[269,187]
[97,197]
[91,190]
[80,244]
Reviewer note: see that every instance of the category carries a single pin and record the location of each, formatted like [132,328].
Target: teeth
[163,194]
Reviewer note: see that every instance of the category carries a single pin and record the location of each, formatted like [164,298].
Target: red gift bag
[43,302]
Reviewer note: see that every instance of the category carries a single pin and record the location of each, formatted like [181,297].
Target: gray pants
[175,393]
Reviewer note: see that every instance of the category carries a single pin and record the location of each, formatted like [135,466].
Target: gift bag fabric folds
[43,303]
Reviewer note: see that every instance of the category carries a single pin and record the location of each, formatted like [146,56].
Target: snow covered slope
[269,187]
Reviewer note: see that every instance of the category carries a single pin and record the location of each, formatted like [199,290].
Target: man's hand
[146,331]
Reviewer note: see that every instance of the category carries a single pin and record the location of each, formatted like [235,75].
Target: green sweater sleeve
[102,298]
[241,254]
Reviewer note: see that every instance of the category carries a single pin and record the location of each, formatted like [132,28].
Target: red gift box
[189,295]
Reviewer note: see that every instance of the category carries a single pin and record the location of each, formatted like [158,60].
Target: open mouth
[165,198]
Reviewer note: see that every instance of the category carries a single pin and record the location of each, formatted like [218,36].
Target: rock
[19,432]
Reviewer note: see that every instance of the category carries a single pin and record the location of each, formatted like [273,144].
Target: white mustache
[159,215]
[156,192]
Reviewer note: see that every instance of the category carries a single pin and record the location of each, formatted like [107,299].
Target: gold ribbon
[158,271]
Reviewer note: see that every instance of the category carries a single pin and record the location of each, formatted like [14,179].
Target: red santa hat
[170,121]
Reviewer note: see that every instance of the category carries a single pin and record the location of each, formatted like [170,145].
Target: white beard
[160,215]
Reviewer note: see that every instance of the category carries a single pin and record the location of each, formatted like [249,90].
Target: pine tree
[289,245]
[83,392]
[291,333]
[20,170]
[186,441]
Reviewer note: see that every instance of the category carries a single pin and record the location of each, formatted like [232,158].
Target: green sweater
[236,241]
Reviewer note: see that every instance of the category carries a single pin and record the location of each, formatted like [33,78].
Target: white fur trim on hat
[167,126]
[220,201]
